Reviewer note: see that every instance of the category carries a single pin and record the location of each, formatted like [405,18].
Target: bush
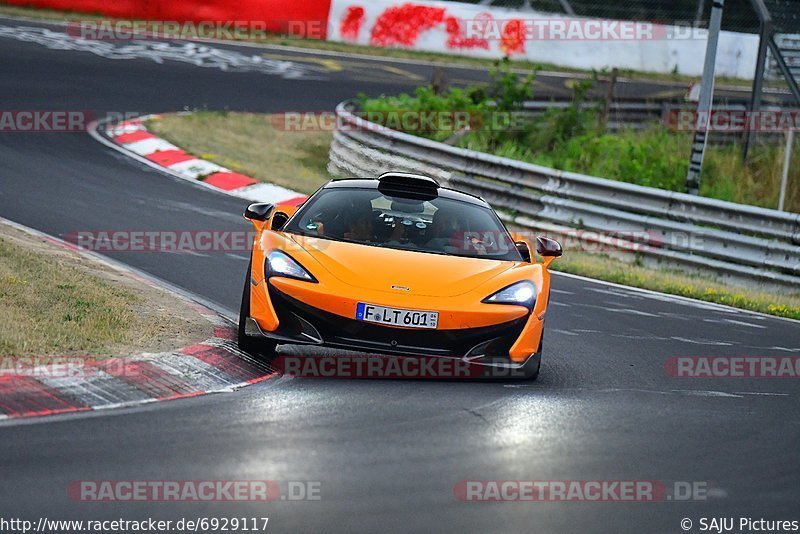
[572,139]
[652,157]
[424,99]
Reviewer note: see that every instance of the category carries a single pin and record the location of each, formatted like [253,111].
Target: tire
[533,365]
[254,346]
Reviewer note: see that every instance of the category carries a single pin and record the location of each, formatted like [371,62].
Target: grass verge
[250,143]
[55,302]
[304,154]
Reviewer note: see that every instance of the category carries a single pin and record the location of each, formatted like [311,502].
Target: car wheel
[254,346]
[533,365]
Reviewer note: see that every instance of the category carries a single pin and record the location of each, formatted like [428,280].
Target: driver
[400,237]
[360,223]
[444,231]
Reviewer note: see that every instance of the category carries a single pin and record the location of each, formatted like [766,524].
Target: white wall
[736,57]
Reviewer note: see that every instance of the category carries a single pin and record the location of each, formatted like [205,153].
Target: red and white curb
[214,366]
[132,138]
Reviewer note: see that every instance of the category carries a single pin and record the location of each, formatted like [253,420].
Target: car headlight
[281,264]
[521,294]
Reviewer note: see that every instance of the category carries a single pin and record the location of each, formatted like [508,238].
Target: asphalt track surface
[388,453]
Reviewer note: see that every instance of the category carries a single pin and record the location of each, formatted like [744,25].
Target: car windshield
[438,226]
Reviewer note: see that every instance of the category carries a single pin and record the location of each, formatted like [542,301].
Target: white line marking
[628,311]
[613,292]
[682,392]
[702,342]
[565,332]
[761,394]
[742,323]
[561,292]
[700,393]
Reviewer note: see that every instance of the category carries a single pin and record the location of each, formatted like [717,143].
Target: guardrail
[632,114]
[745,243]
[789,44]
[640,114]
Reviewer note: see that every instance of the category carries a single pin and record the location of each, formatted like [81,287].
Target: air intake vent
[409,186]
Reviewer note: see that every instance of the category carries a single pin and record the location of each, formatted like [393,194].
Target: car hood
[380,269]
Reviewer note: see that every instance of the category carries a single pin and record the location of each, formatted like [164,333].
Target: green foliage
[572,138]
[561,125]
[506,89]
[389,110]
[653,157]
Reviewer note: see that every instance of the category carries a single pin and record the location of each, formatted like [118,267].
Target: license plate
[397,317]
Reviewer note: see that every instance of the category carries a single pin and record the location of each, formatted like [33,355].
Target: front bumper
[300,323]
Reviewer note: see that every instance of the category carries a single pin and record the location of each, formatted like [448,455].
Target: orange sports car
[399,266]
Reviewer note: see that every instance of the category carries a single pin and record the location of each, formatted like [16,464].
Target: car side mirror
[548,249]
[524,251]
[279,220]
[259,211]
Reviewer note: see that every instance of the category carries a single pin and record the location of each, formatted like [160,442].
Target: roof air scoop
[405,185]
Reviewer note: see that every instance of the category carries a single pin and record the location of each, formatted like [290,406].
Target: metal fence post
[787,160]
[706,100]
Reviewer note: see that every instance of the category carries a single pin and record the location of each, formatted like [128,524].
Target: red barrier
[306,18]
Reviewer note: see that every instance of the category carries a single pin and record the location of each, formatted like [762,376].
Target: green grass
[659,158]
[47,307]
[58,303]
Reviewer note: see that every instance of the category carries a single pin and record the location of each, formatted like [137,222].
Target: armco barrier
[734,240]
[307,18]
